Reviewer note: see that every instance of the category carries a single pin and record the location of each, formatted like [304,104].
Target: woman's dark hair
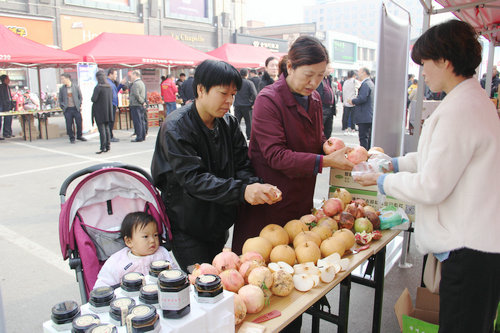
[455,41]
[212,73]
[269,59]
[66,75]
[307,50]
[282,65]
[133,221]
[101,77]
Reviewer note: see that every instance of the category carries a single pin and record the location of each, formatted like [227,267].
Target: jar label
[174,301]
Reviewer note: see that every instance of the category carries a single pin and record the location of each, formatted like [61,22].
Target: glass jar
[208,288]
[132,283]
[156,267]
[173,293]
[103,328]
[84,322]
[63,314]
[119,309]
[100,298]
[143,319]
[149,294]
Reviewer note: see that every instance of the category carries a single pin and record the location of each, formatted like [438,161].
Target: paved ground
[33,276]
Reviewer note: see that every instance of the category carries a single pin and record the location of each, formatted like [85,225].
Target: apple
[333,144]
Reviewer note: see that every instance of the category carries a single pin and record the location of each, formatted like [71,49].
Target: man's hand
[367,179]
[338,160]
[257,194]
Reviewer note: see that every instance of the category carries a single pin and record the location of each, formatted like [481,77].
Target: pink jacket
[120,264]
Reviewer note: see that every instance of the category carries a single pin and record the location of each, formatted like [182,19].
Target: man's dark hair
[351,73]
[111,71]
[212,73]
[135,220]
[455,41]
[366,70]
[3,77]
[243,72]
[253,71]
[66,75]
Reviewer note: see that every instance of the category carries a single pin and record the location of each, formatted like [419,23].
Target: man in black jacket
[202,168]
[243,102]
[5,105]
[186,91]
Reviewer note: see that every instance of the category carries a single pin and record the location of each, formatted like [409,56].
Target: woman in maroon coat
[287,139]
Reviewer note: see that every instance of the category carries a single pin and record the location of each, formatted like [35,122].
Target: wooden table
[298,302]
[26,115]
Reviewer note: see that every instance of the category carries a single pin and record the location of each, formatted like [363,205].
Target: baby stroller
[90,220]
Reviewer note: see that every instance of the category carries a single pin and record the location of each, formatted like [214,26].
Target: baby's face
[144,241]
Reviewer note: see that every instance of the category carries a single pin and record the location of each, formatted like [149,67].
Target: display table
[27,121]
[155,116]
[298,302]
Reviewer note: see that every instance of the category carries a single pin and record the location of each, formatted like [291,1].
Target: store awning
[112,49]
[17,51]
[242,55]
[483,15]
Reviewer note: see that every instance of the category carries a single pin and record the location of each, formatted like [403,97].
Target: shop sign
[21,31]
[36,29]
[267,45]
[188,37]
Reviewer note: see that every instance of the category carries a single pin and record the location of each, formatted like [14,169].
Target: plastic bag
[376,163]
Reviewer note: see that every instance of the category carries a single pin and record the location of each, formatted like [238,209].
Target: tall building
[360,17]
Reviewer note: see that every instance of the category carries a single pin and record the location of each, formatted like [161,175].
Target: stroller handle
[90,169]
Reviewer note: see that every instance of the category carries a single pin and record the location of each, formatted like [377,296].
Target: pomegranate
[332,206]
[308,219]
[363,224]
[346,220]
[333,144]
[363,238]
[261,277]
[343,195]
[202,269]
[226,260]
[374,219]
[319,213]
[253,297]
[252,255]
[232,280]
[376,235]
[360,202]
[355,210]
[240,309]
[248,266]
[357,155]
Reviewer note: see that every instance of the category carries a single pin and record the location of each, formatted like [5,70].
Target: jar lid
[119,303]
[149,291]
[158,266]
[142,314]
[84,322]
[101,295]
[208,282]
[132,281]
[103,328]
[65,312]
[172,277]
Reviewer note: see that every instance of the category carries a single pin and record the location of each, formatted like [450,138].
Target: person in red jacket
[169,94]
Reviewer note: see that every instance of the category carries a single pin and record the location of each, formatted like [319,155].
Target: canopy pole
[489,73]
[39,86]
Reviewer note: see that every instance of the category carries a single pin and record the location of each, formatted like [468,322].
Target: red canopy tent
[138,51]
[18,51]
[242,56]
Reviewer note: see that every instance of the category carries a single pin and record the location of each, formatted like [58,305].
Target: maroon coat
[284,147]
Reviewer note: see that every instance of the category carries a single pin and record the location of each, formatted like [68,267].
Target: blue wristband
[380,183]
[395,164]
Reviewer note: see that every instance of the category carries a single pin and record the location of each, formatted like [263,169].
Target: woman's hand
[367,179]
[257,194]
[338,159]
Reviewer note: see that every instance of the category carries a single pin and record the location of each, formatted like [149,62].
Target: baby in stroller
[139,231]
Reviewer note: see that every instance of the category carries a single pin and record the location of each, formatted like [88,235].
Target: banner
[87,82]
[391,84]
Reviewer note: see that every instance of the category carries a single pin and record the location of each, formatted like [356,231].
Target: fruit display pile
[154,98]
[305,253]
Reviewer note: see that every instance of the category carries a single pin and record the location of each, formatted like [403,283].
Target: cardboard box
[53,131]
[371,199]
[424,317]
[153,122]
[342,178]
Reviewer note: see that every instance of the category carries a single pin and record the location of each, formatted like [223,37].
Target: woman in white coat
[454,178]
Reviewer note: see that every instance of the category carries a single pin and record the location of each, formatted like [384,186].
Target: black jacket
[102,104]
[246,95]
[265,81]
[186,91]
[202,173]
